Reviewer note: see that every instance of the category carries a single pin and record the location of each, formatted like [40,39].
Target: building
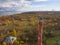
[10,39]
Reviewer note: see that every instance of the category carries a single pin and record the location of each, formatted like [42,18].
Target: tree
[32,21]
[14,33]
[4,43]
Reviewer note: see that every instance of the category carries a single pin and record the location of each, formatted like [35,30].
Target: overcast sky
[29,5]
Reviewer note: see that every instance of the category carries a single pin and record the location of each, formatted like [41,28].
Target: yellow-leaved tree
[32,20]
[4,43]
[14,32]
[7,22]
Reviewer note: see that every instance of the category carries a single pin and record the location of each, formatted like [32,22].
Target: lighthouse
[40,28]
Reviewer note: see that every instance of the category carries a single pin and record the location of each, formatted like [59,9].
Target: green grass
[53,41]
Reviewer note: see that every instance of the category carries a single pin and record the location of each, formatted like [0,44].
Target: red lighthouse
[40,25]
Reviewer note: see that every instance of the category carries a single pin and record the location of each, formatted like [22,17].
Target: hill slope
[23,24]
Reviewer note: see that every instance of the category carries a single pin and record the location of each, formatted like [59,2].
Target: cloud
[17,3]
[10,3]
[29,7]
[26,5]
[14,5]
[40,0]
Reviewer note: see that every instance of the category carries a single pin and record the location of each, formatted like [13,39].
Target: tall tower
[40,28]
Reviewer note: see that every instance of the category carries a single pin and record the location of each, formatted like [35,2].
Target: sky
[16,6]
